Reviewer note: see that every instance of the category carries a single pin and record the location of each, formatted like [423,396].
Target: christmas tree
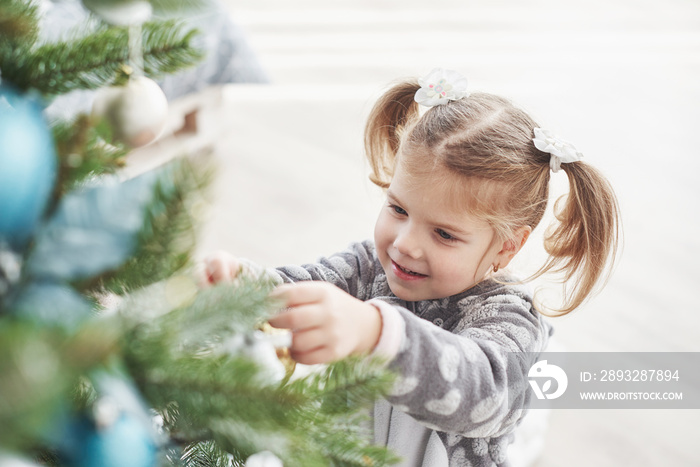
[110,355]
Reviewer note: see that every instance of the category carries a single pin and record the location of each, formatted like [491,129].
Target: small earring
[495,268]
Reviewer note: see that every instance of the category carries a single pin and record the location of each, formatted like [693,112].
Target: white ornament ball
[137,111]
[120,12]
[263,459]
[258,348]
[10,460]
[264,353]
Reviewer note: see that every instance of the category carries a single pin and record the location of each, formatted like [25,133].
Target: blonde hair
[488,140]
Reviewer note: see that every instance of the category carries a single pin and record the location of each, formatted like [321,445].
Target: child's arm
[350,270]
[471,383]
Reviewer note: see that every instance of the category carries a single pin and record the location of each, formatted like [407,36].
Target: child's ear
[512,246]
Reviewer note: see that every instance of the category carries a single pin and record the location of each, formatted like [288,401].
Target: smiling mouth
[407,271]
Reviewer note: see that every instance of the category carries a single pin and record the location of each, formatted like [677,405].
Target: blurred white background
[619,78]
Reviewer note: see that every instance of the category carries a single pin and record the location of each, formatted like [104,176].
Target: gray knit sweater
[462,363]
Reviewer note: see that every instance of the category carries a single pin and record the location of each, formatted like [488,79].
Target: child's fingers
[217,271]
[300,293]
[301,300]
[313,357]
[308,340]
[221,268]
[298,317]
[202,275]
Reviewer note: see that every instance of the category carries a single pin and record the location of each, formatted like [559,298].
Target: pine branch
[47,458]
[346,385]
[344,389]
[36,378]
[57,68]
[95,60]
[221,398]
[171,354]
[205,454]
[177,5]
[83,152]
[204,395]
[212,316]
[342,448]
[42,368]
[168,236]
[227,309]
[167,48]
[208,388]
[19,21]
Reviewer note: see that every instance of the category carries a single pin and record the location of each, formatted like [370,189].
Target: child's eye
[444,235]
[398,210]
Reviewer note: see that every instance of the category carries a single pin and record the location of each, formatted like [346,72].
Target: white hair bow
[441,86]
[562,152]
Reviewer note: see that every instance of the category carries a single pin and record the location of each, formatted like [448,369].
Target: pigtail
[390,115]
[583,244]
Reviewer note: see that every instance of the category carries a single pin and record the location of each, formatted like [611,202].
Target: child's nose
[407,243]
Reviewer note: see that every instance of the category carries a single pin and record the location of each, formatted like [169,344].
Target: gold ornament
[281,339]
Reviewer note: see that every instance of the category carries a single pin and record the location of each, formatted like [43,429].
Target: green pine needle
[205,395]
[219,405]
[168,236]
[18,21]
[177,5]
[206,454]
[83,152]
[346,385]
[97,59]
[167,48]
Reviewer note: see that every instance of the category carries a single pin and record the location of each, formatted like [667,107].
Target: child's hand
[327,323]
[219,267]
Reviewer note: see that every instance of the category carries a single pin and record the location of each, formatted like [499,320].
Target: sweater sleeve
[352,270]
[471,382]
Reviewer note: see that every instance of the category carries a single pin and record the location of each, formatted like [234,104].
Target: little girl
[466,183]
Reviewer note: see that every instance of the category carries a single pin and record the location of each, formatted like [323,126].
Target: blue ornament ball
[27,166]
[125,442]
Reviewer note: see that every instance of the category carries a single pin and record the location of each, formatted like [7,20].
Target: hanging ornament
[117,431]
[27,166]
[258,347]
[120,12]
[10,268]
[137,111]
[263,459]
[10,460]
[281,340]
[112,442]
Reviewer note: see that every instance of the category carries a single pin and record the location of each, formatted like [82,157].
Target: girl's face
[428,247]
